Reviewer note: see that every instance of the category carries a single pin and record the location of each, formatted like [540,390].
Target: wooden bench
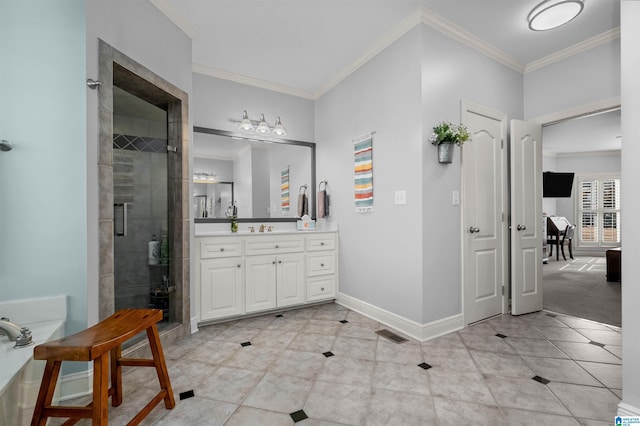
[102,345]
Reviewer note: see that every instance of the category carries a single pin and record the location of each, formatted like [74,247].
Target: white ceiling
[304,47]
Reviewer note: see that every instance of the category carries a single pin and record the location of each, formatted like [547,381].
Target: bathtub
[20,374]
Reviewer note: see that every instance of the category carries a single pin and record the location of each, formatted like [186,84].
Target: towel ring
[320,185]
[303,189]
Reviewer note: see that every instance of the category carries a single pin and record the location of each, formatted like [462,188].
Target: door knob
[521,227]
[473,229]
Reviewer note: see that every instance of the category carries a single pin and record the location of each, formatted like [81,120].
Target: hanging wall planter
[445,152]
[446,135]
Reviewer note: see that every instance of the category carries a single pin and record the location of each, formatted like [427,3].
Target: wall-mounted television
[557,184]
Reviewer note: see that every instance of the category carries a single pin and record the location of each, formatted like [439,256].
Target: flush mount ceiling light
[553,13]
[261,126]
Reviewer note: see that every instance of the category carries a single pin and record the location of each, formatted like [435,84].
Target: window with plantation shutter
[598,207]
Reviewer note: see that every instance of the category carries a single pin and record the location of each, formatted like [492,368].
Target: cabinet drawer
[321,242]
[321,263]
[319,288]
[220,247]
[273,245]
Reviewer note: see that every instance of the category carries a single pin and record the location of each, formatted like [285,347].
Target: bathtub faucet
[20,335]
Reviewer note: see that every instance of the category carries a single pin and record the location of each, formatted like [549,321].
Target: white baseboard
[76,385]
[194,324]
[413,329]
[627,410]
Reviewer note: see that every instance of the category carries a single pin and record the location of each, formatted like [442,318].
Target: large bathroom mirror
[263,179]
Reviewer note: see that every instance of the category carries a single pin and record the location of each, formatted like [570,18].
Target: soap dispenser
[153,256]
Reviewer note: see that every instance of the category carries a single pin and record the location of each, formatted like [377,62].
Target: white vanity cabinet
[221,274]
[257,272]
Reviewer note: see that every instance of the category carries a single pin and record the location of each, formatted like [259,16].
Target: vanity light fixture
[278,129]
[553,13]
[261,126]
[246,124]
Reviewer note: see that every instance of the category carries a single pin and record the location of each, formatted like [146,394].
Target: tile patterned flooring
[307,367]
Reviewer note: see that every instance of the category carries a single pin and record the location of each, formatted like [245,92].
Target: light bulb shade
[263,127]
[278,129]
[246,124]
[553,13]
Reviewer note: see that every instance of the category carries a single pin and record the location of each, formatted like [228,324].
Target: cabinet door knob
[221,248]
[238,265]
[273,263]
[276,246]
[322,243]
[279,261]
[322,264]
[321,288]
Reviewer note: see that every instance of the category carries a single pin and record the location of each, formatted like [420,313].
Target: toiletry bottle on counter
[164,249]
[153,251]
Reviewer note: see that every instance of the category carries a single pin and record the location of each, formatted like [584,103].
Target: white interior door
[526,217]
[483,198]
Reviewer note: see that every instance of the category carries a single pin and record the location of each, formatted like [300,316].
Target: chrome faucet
[15,333]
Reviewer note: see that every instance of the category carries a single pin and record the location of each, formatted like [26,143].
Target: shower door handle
[120,219]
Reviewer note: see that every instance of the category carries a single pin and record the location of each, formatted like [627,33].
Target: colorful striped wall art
[284,190]
[363,149]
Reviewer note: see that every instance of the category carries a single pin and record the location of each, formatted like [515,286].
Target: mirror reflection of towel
[303,204]
[323,204]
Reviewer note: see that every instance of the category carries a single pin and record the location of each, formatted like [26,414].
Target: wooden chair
[102,345]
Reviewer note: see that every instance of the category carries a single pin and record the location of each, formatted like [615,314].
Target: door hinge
[171,148]
[501,143]
[503,290]
[502,217]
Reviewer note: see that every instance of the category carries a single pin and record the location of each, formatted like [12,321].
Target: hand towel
[303,204]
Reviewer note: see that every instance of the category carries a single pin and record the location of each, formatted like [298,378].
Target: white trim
[76,385]
[578,111]
[460,34]
[251,81]
[165,7]
[605,153]
[577,48]
[625,409]
[403,27]
[194,325]
[413,329]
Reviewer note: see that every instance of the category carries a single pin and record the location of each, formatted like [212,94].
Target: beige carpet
[579,287]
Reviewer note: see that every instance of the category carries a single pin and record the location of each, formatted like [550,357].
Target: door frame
[466,105]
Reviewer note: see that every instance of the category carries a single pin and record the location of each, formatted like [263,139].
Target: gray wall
[588,77]
[159,46]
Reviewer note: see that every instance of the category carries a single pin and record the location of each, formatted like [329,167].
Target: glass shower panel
[140,196]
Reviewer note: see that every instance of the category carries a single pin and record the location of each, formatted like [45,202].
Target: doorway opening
[127,277]
[588,145]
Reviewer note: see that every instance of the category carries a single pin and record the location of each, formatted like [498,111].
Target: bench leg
[45,395]
[100,405]
[116,376]
[161,366]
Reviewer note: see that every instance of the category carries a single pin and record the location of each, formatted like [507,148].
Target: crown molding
[173,15]
[577,48]
[460,34]
[251,81]
[378,46]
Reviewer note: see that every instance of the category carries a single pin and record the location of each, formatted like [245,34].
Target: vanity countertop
[258,234]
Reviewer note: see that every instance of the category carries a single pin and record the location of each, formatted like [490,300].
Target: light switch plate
[401,198]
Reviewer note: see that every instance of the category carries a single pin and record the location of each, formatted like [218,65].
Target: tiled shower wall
[140,180]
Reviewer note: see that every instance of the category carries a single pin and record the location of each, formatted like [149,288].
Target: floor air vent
[391,336]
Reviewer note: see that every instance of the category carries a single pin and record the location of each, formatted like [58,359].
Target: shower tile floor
[325,365]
